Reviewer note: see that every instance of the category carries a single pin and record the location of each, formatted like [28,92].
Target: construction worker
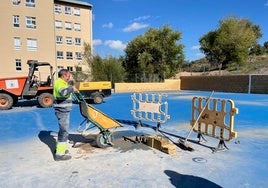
[62,105]
[34,82]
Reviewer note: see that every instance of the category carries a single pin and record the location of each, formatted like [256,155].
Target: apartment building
[51,31]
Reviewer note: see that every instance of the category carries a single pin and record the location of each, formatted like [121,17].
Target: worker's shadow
[185,181]
[77,140]
[47,138]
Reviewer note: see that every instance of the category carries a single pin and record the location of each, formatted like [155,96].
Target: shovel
[183,143]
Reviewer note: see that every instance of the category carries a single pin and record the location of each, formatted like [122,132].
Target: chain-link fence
[145,77]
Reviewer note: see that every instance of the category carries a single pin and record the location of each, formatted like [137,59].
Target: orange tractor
[27,87]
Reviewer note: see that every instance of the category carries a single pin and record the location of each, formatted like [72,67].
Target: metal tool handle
[191,130]
[77,96]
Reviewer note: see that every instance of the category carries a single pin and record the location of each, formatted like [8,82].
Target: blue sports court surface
[245,164]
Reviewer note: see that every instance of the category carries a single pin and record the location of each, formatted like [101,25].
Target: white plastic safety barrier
[150,107]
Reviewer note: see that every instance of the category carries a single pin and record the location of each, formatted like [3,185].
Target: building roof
[76,2]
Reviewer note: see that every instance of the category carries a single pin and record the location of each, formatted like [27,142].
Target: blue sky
[117,22]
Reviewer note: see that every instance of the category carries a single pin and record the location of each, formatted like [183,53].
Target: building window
[68,10]
[68,25]
[16,21]
[30,3]
[58,24]
[78,41]
[77,27]
[31,44]
[77,11]
[17,43]
[58,39]
[18,64]
[57,8]
[60,67]
[69,55]
[59,54]
[70,68]
[30,22]
[68,40]
[78,55]
[16,2]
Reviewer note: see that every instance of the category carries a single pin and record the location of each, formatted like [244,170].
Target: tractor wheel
[46,100]
[6,101]
[98,99]
[103,142]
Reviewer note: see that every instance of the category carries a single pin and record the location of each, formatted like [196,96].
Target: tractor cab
[35,81]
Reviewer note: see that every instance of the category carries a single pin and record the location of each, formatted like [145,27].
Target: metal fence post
[249,83]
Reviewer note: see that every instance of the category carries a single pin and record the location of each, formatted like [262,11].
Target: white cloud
[200,55]
[97,42]
[266,4]
[195,47]
[135,26]
[141,18]
[115,44]
[109,25]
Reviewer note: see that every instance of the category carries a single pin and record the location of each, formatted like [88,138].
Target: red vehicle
[27,87]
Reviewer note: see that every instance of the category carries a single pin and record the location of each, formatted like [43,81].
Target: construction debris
[162,144]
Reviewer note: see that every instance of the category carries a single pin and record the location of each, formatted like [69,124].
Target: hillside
[255,65]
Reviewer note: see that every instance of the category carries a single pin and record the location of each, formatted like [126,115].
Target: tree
[79,75]
[84,75]
[265,45]
[87,55]
[108,69]
[99,69]
[229,45]
[158,51]
[257,49]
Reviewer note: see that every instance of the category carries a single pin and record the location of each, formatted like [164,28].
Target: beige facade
[51,31]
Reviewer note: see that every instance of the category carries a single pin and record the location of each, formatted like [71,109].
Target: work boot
[62,157]
[61,151]
[66,151]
